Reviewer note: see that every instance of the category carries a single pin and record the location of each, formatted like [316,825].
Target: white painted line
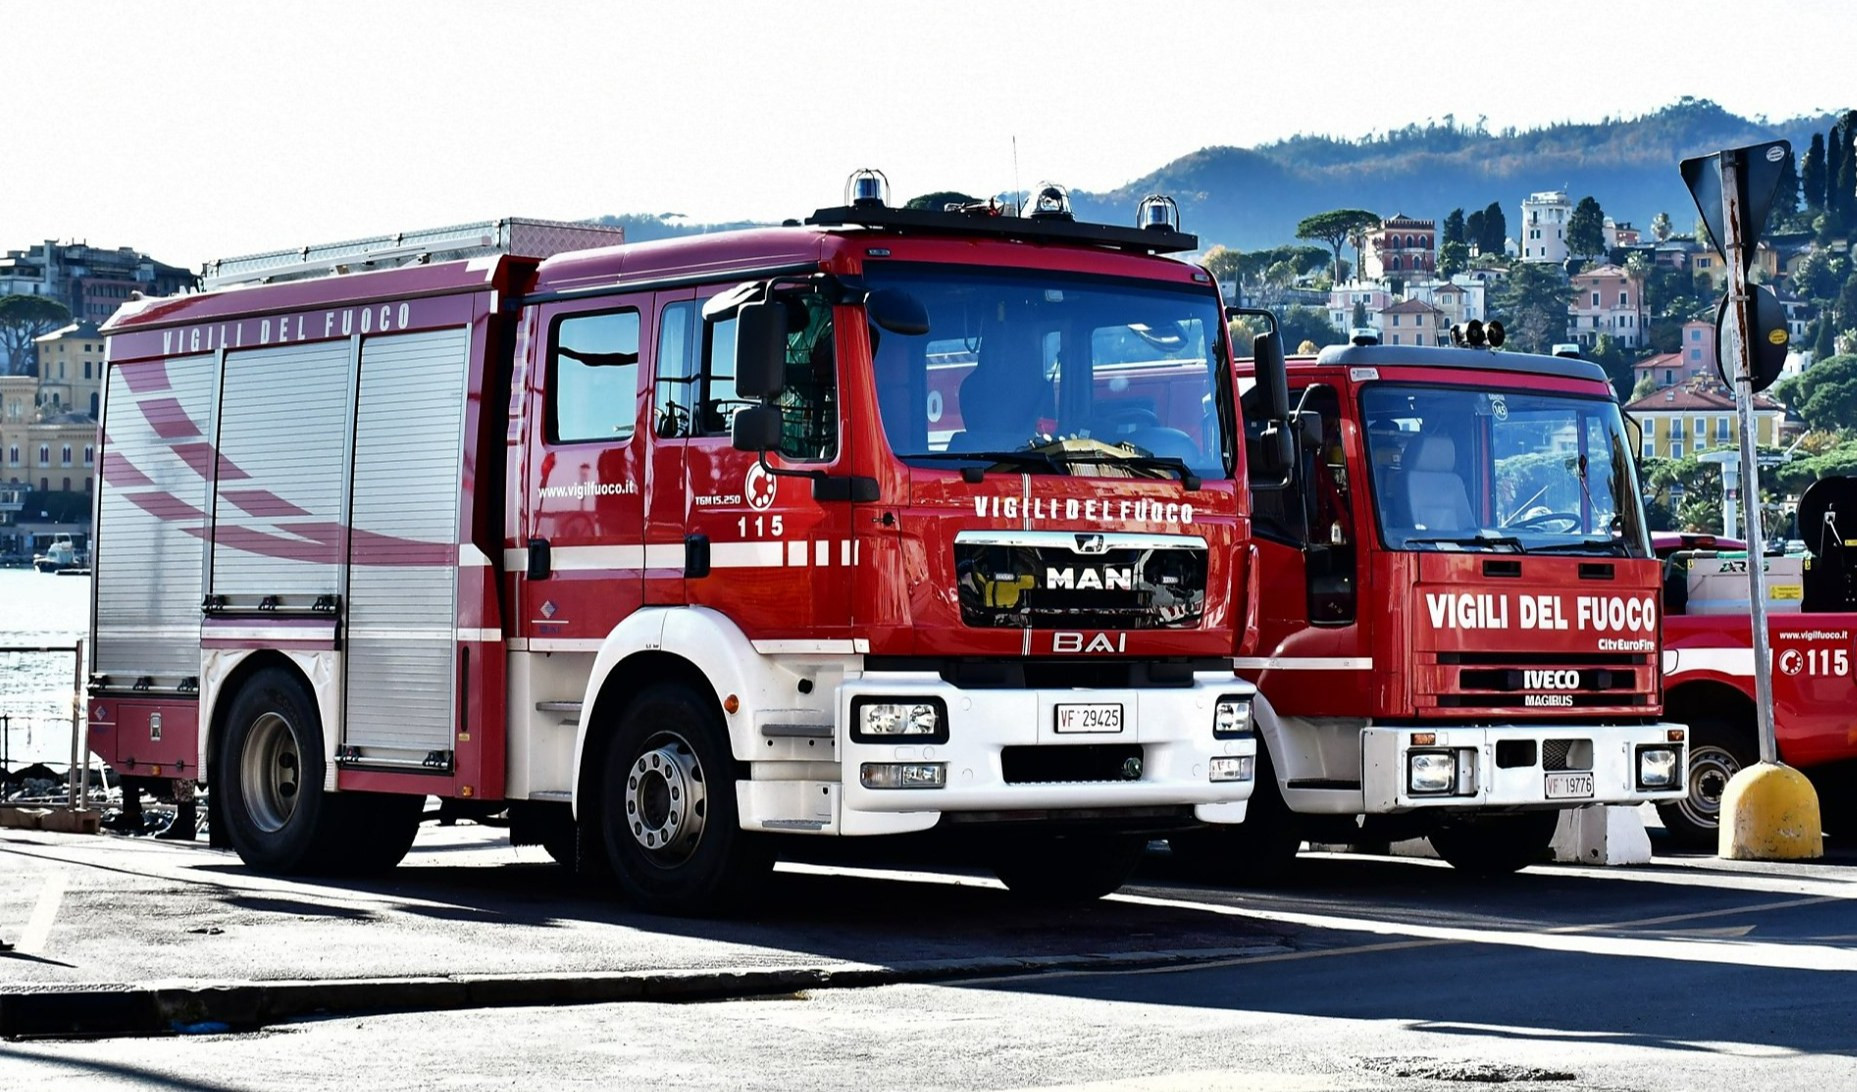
[39,927]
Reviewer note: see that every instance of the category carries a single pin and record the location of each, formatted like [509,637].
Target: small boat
[61,554]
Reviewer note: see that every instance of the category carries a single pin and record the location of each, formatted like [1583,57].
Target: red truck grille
[1544,683]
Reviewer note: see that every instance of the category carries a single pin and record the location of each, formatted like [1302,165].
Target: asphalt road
[1368,973]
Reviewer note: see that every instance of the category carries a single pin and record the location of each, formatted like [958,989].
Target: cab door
[585,528]
[761,548]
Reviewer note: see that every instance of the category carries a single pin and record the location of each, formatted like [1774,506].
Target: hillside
[1250,198]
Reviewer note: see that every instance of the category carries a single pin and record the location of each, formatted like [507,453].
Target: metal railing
[78,779]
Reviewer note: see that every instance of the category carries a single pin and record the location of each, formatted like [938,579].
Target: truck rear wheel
[1716,753]
[1494,845]
[271,769]
[1056,868]
[667,807]
[382,827]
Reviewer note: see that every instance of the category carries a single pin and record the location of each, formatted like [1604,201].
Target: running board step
[558,706]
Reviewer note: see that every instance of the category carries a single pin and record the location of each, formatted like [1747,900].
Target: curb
[104,1011]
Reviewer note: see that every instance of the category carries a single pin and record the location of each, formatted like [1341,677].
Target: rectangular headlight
[903,775]
[1231,768]
[1657,768]
[884,720]
[1431,772]
[1231,718]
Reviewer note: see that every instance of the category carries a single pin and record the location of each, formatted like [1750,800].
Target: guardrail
[77,795]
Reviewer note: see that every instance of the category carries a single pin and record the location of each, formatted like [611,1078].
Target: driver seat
[1434,492]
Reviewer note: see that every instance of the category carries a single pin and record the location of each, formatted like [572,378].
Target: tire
[1259,852]
[271,771]
[1496,845]
[1716,753]
[381,828]
[1061,868]
[667,811]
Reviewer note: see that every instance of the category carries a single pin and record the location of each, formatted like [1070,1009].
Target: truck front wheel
[1059,868]
[1716,753]
[271,771]
[1494,845]
[668,815]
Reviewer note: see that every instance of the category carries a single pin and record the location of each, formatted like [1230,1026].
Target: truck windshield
[1044,373]
[1504,471]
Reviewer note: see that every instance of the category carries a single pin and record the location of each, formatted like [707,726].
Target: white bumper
[1169,731]
[1491,774]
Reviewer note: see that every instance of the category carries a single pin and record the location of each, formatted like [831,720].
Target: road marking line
[39,927]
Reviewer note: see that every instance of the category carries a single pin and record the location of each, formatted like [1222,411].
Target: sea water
[36,688]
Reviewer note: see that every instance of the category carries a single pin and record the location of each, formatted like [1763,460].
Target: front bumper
[1519,765]
[1002,752]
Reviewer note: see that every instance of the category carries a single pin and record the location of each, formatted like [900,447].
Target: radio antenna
[1017,199]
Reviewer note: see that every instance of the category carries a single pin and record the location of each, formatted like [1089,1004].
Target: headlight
[1431,772]
[1231,718]
[1231,768]
[903,775]
[878,720]
[1657,768]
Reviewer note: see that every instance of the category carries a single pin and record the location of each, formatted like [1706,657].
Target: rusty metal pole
[1741,325]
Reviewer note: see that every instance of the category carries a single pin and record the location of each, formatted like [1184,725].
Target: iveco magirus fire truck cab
[892,521]
[1459,621]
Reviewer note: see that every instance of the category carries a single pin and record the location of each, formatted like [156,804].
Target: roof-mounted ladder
[513,235]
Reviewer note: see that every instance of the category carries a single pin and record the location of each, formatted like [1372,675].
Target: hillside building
[1698,417]
[1414,322]
[1695,359]
[90,281]
[1544,226]
[1403,248]
[1606,300]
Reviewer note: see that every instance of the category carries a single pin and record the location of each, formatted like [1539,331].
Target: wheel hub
[665,801]
[1710,770]
[270,772]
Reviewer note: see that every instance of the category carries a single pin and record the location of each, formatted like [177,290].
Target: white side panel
[283,413]
[147,557]
[402,584]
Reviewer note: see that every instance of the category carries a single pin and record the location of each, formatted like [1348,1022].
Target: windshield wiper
[1609,545]
[1029,458]
[1147,462]
[1475,540]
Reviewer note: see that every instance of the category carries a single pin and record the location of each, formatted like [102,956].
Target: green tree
[1359,318]
[1586,229]
[1610,355]
[1812,174]
[1224,263]
[939,200]
[1660,227]
[1825,395]
[1453,258]
[1495,229]
[1532,305]
[1825,343]
[1473,231]
[1695,504]
[1302,324]
[23,318]
[1453,228]
[1842,201]
[1333,227]
[1837,150]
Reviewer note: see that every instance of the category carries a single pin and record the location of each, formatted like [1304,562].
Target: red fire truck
[1708,661]
[1459,616]
[889,521]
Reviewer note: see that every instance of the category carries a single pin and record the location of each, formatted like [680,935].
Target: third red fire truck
[892,521]
[1459,622]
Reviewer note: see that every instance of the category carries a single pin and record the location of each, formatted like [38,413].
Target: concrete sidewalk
[121,935]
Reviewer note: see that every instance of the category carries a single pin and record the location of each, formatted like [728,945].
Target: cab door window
[809,400]
[593,378]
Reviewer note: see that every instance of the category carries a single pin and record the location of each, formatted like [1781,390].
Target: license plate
[1089,718]
[1569,786]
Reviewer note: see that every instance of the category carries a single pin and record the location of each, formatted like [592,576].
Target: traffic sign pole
[1741,322]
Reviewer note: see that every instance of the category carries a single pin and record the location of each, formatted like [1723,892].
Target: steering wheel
[1571,519]
[1132,419]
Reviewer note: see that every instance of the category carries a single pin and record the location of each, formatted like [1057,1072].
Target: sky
[197,129]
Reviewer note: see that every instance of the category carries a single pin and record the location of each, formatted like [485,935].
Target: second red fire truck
[1459,622]
[893,521]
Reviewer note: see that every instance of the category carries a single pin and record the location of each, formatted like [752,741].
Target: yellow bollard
[1770,813]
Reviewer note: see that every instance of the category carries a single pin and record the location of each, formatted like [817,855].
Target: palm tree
[1637,268]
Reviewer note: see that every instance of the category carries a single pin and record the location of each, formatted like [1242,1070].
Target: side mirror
[756,428]
[1276,450]
[760,350]
[1267,351]
[1308,425]
[898,312]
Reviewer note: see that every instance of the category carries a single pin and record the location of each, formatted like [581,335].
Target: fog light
[1431,772]
[1656,768]
[1232,768]
[903,775]
[1231,718]
[879,719]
